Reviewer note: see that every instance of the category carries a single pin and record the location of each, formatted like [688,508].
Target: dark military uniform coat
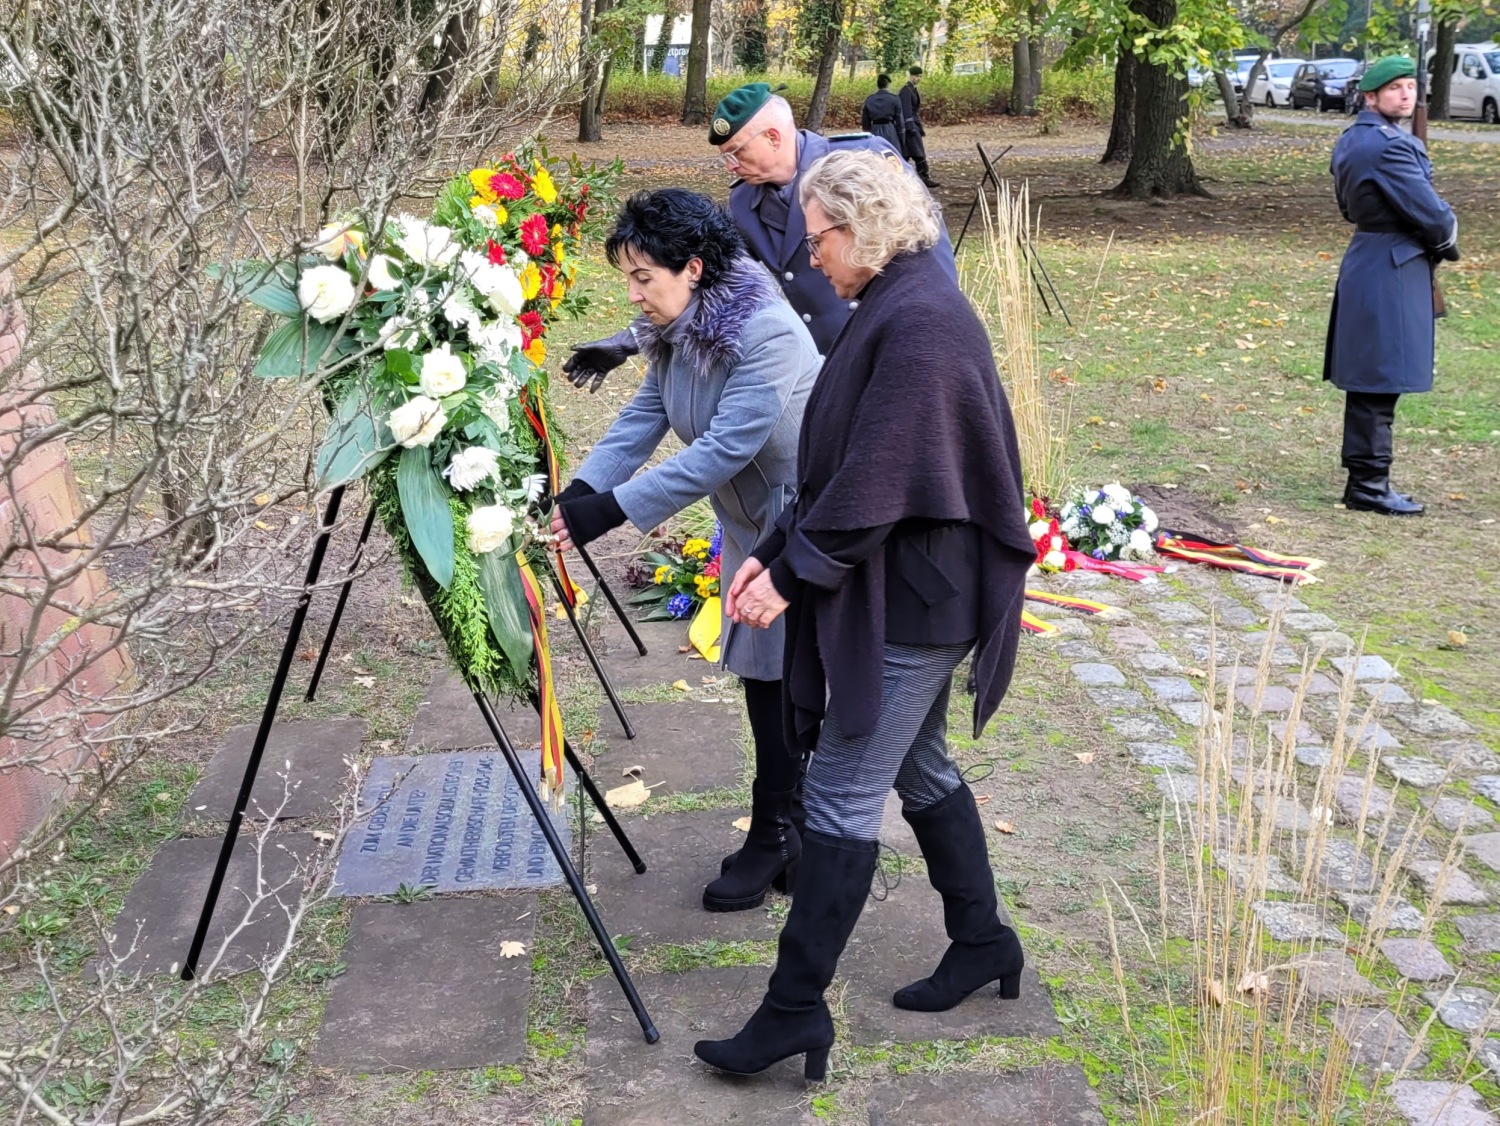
[882,116]
[775,227]
[1380,332]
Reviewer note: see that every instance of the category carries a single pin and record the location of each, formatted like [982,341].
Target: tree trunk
[1036,43]
[695,97]
[1440,80]
[1122,125]
[1227,95]
[456,37]
[1244,115]
[1160,167]
[851,50]
[751,55]
[832,31]
[1022,100]
[663,43]
[595,74]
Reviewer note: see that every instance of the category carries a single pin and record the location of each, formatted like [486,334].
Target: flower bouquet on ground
[1109,524]
[1051,544]
[678,580]
[427,339]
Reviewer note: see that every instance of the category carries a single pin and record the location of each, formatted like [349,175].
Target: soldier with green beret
[757,137]
[1380,330]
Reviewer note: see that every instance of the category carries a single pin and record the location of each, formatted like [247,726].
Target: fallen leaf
[365,681]
[681,686]
[743,824]
[559,613]
[1084,757]
[308,655]
[1005,827]
[636,771]
[1216,992]
[1457,496]
[982,799]
[11,909]
[1195,672]
[627,796]
[1457,638]
[1275,520]
[263,526]
[592,889]
[322,836]
[262,499]
[511,949]
[1253,983]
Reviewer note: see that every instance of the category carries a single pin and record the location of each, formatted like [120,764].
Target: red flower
[531,327]
[534,235]
[712,570]
[506,186]
[549,279]
[496,253]
[1038,509]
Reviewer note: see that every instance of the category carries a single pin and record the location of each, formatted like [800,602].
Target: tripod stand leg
[575,882]
[263,734]
[588,650]
[602,806]
[338,609]
[609,596]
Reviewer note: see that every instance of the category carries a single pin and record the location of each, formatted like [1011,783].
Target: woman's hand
[759,604]
[560,530]
[742,578]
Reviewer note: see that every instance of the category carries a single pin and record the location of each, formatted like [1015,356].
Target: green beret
[735,108]
[1386,70]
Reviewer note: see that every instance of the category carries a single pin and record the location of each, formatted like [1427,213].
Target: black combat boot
[983,949]
[1373,493]
[793,1019]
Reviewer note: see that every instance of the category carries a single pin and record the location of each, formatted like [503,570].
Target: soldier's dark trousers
[1367,434]
[916,152]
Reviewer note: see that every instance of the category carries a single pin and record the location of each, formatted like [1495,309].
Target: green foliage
[291,353]
[357,439]
[424,504]
[897,27]
[506,605]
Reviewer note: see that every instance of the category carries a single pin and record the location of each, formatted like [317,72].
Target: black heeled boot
[785,881]
[776,773]
[983,949]
[793,1019]
[770,854]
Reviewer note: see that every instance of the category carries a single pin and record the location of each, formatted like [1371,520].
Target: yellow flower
[531,281]
[695,549]
[536,351]
[559,255]
[557,230]
[663,573]
[501,215]
[704,585]
[541,183]
[479,179]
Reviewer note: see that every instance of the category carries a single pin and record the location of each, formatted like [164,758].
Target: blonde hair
[885,209]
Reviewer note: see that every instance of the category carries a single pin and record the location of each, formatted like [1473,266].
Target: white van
[1475,87]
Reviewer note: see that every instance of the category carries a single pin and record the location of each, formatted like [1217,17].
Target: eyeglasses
[732,157]
[814,240]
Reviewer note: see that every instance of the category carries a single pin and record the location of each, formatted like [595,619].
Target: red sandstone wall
[40,491]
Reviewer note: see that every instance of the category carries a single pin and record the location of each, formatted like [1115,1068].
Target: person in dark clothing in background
[911,110]
[905,551]
[883,116]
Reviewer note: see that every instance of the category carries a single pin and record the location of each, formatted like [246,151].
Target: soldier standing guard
[1380,330]
[759,141]
[916,145]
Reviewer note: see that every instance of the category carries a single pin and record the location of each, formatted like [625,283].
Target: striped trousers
[848,779]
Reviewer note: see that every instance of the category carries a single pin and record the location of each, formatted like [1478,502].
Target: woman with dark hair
[729,369]
[881,115]
[905,552]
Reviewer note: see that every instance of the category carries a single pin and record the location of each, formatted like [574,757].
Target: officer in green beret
[758,140]
[1380,331]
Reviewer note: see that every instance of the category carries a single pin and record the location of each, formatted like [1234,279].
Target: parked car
[1273,87]
[969,68]
[1475,87]
[1320,84]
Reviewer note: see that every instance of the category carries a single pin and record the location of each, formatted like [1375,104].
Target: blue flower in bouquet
[716,545]
[679,605]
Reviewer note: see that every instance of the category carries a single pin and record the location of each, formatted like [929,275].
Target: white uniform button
[853,305]
[789,276]
[807,318]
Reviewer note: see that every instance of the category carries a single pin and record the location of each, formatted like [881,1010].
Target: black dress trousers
[1367,432]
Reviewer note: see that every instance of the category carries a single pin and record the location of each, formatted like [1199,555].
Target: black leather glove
[1448,254]
[589,517]
[591,362]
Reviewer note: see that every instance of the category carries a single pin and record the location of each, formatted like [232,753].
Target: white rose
[471,467]
[501,285]
[1117,495]
[382,273]
[398,332]
[1056,560]
[489,528]
[1039,529]
[335,239]
[1140,543]
[1057,544]
[326,292]
[426,245]
[1148,519]
[442,373]
[495,342]
[417,421]
[1102,514]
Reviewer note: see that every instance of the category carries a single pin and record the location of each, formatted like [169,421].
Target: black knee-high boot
[773,844]
[793,1018]
[983,949]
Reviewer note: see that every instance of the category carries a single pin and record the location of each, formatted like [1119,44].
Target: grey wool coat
[730,377]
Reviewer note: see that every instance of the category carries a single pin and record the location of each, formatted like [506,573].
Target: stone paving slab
[632,1083]
[899,940]
[1485,847]
[1454,814]
[1432,719]
[1394,914]
[1051,1095]
[1331,975]
[681,747]
[161,911]
[1377,1040]
[1481,932]
[1465,1008]
[408,1002]
[682,852]
[1434,1103]
[1416,959]
[1366,667]
[452,821]
[448,719]
[1296,922]
[311,755]
[663,662]
[1456,887]
[1466,755]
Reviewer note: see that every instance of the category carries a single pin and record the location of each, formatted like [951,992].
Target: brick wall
[38,491]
